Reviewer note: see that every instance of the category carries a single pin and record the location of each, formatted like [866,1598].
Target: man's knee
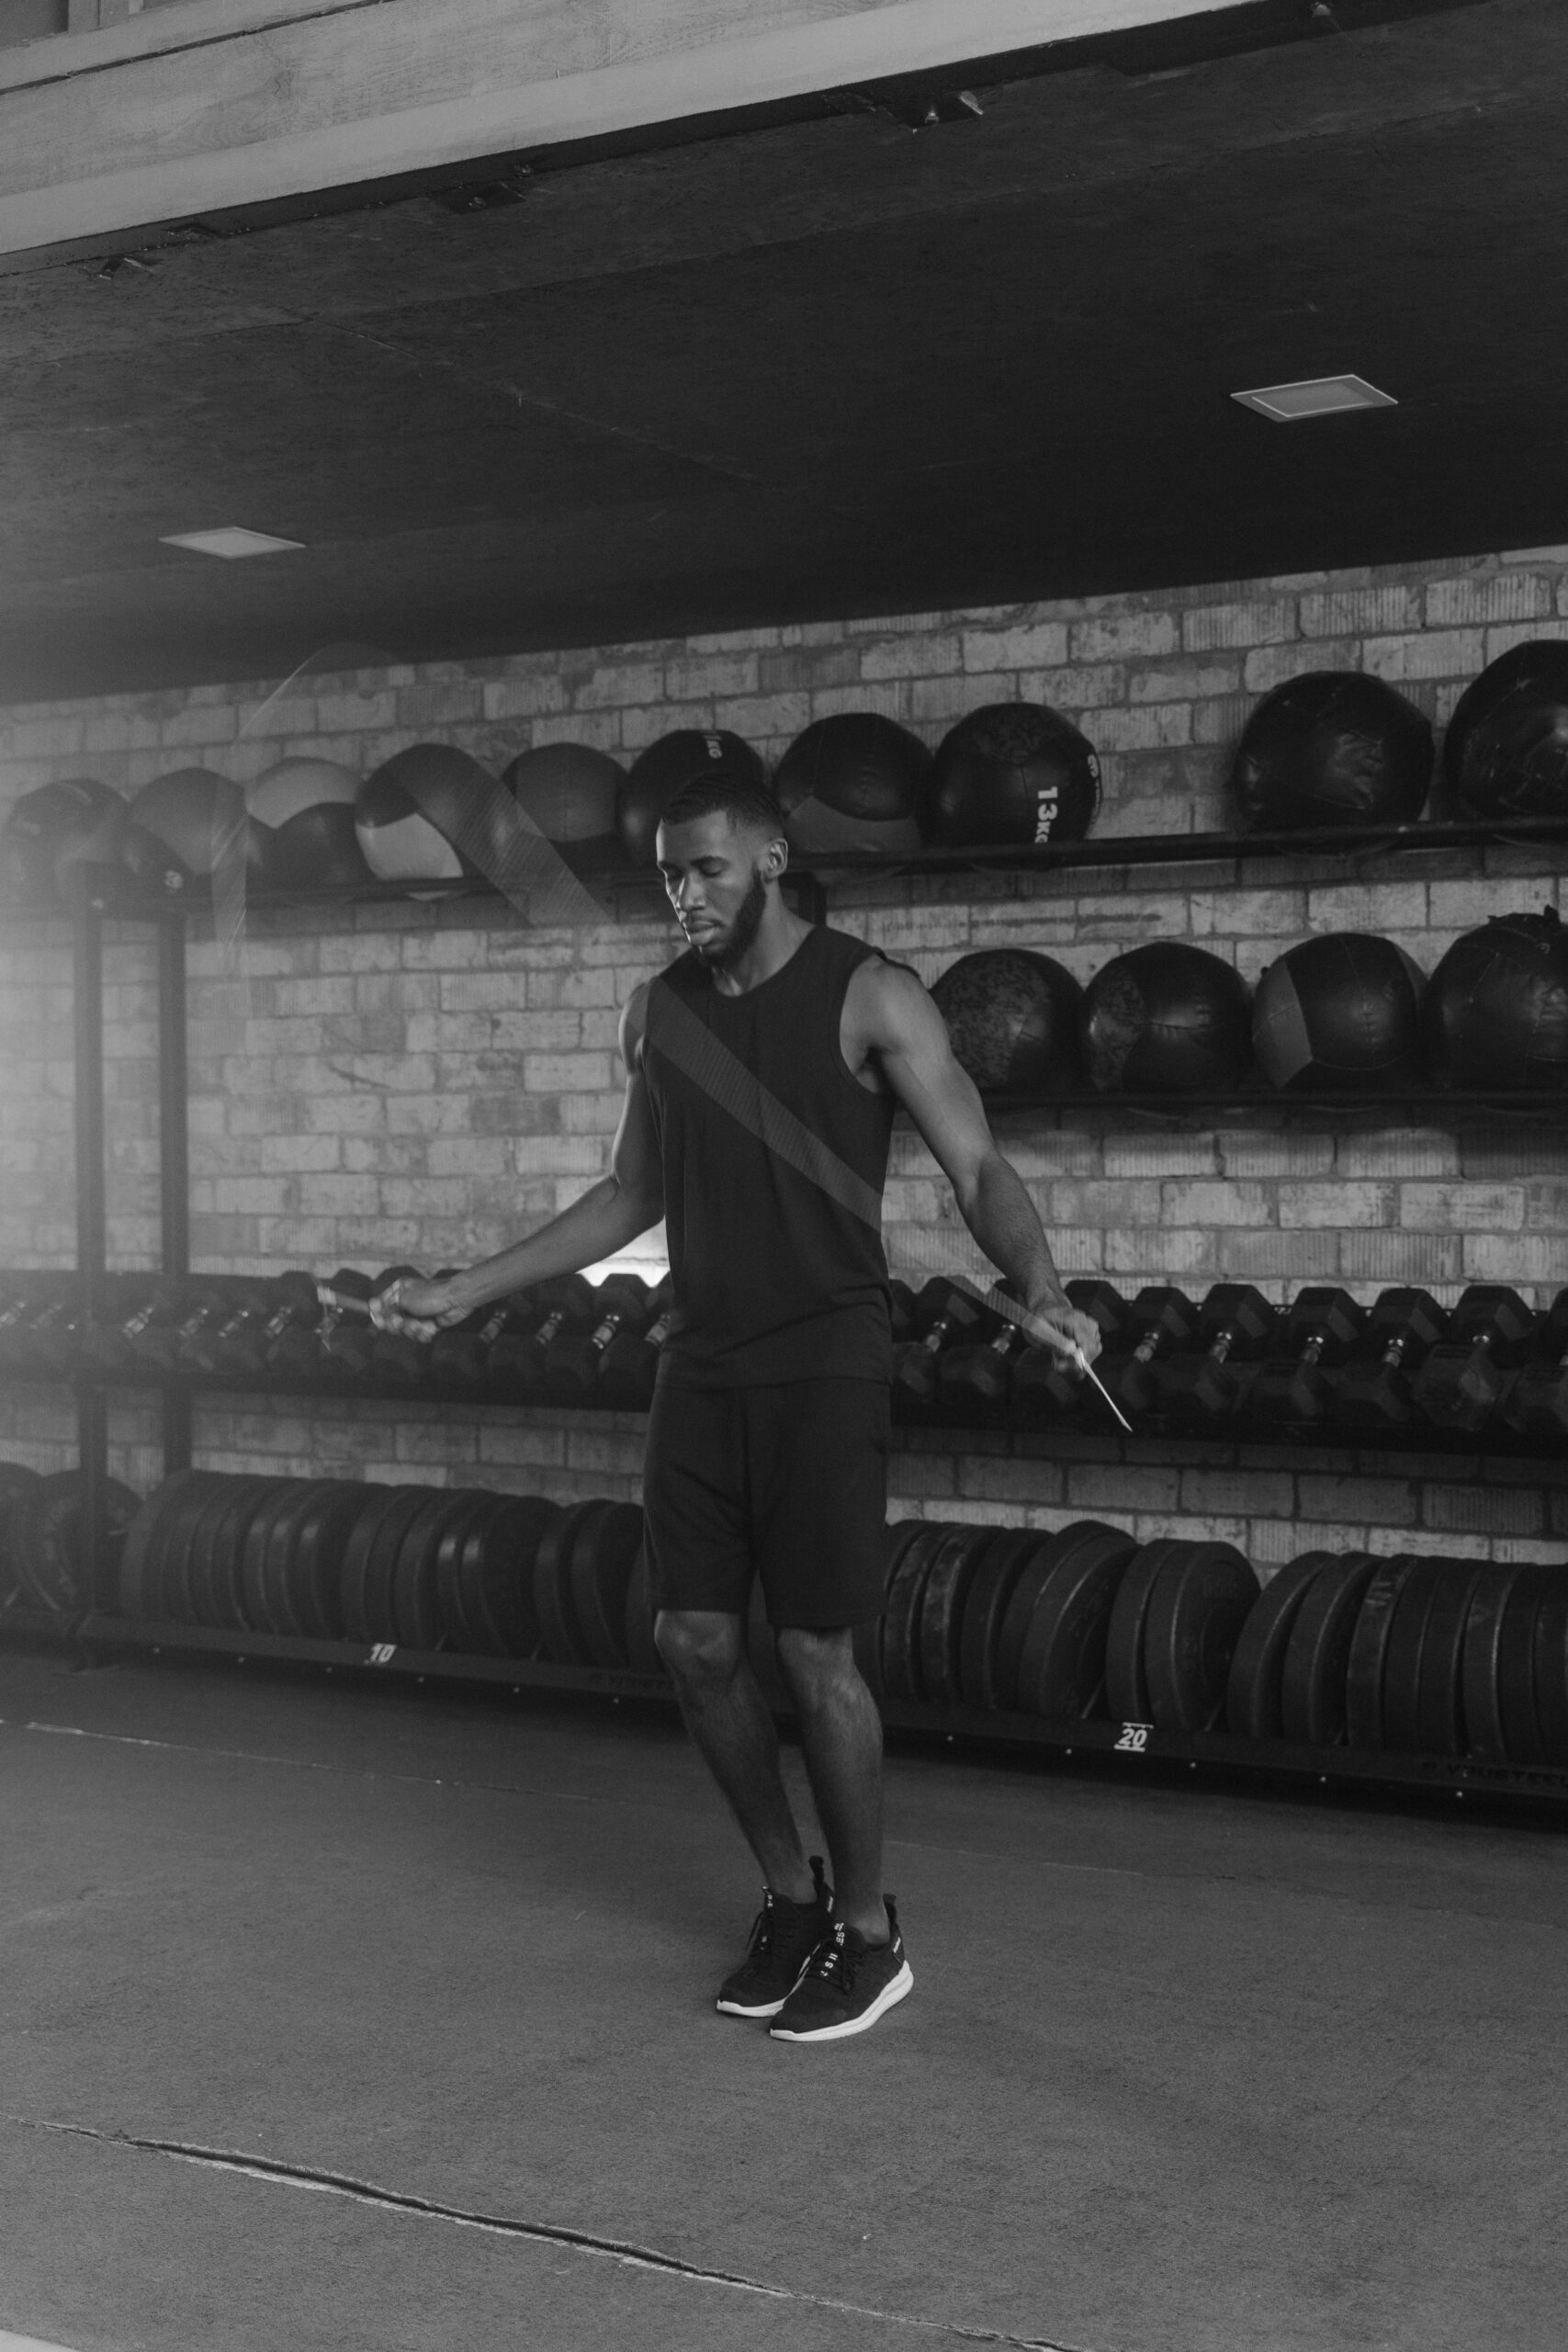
[699,1645]
[818,1665]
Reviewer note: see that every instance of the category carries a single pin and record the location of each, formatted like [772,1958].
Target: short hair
[738,798]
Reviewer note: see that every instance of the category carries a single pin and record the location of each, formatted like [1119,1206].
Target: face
[717,875]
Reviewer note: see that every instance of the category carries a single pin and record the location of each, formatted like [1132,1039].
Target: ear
[775,858]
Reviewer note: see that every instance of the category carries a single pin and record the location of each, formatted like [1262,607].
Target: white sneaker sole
[727,2009]
[892,1992]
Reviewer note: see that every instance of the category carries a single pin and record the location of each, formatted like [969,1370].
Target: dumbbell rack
[103,1624]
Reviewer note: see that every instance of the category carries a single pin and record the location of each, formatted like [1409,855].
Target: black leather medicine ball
[424,814]
[685,757]
[1332,748]
[853,781]
[302,814]
[1496,1011]
[1506,753]
[569,791]
[1166,1018]
[1012,1016]
[1340,1011]
[1012,773]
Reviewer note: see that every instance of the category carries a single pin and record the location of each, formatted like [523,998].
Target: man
[763,1071]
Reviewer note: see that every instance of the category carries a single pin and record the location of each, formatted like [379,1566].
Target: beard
[743,931]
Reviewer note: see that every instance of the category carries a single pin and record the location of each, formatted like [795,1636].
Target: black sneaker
[783,1937]
[847,1986]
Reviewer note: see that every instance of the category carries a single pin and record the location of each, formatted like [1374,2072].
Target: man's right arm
[611,1214]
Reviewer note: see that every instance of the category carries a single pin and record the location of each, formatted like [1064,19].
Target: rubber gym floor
[1185,2069]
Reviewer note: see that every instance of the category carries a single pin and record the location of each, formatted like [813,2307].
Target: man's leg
[728,1720]
[841,1736]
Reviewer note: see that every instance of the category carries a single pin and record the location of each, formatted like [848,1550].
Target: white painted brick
[1143,634]
[1461,1208]
[1042,646]
[1359,612]
[1341,1207]
[925,657]
[1208,628]
[1216,1203]
[1379,907]
[1431,653]
[1506,597]
[1276,665]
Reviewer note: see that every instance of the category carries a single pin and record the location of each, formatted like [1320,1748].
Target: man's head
[721,850]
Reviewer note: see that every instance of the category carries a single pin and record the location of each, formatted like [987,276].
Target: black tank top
[775,1281]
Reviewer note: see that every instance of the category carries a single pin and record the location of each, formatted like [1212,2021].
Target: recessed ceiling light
[230,542]
[1318,396]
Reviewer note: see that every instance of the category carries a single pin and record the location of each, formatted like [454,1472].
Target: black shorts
[789,1484]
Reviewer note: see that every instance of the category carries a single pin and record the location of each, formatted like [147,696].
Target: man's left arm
[902,1025]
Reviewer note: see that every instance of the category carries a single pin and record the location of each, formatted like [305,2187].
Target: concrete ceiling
[821,366]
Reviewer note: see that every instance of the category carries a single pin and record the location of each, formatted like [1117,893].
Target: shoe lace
[835,1961]
[764,1928]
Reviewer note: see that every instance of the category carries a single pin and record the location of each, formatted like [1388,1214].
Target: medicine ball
[415,809]
[1013,1019]
[196,815]
[1506,753]
[1496,1013]
[41,824]
[302,818]
[853,781]
[1333,747]
[686,757]
[118,864]
[569,791]
[1167,1018]
[1343,1011]
[1013,772]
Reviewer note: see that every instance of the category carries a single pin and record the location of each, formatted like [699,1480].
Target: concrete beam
[188,110]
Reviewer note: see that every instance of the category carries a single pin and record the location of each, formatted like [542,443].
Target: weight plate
[14,1481]
[276,1566]
[641,1648]
[984,1610]
[414,1503]
[174,1577]
[255,1586]
[1524,1738]
[139,1555]
[1550,1669]
[1252,1687]
[1126,1679]
[943,1603]
[899,1650]
[496,1572]
[1480,1703]
[314,1566]
[1195,1615]
[1315,1677]
[361,1598]
[47,1544]
[1061,1668]
[461,1629]
[1440,1719]
[215,1557]
[1369,1653]
[415,1600]
[866,1636]
[603,1558]
[1043,1550]
[187,1587]
[1402,1667]
[552,1587]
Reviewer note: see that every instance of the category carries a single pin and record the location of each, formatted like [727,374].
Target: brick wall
[422,1083]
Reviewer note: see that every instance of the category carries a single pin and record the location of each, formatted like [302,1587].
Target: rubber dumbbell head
[518,1364]
[628,1367]
[1322,1327]
[459,1357]
[1159,1321]
[622,1304]
[1236,1324]
[1403,1329]
[1044,1381]
[1490,1335]
[204,1302]
[947,1317]
[974,1381]
[1536,1404]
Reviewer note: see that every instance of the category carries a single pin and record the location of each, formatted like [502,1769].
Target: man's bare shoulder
[889,1003]
[634,1025]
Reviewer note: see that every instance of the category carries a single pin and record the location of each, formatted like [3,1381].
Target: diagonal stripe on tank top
[674,1031]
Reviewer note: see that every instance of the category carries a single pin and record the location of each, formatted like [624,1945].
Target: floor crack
[281,2174]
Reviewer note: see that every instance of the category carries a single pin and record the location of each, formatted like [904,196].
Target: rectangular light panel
[1317,396]
[230,542]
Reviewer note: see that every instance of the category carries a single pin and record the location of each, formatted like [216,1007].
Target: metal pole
[92,1419]
[174,1158]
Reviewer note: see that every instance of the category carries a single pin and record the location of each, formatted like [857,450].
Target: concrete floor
[1183,2071]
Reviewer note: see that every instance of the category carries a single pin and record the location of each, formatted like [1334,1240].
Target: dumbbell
[901,1312]
[205,1301]
[623,1305]
[291,1338]
[975,1380]
[459,1358]
[1159,1321]
[1045,1381]
[1322,1326]
[44,1335]
[1536,1403]
[134,1305]
[1235,1324]
[26,1296]
[1403,1329]
[345,1337]
[942,1313]
[629,1365]
[517,1361]
[398,1361]
[1490,1333]
[259,1312]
